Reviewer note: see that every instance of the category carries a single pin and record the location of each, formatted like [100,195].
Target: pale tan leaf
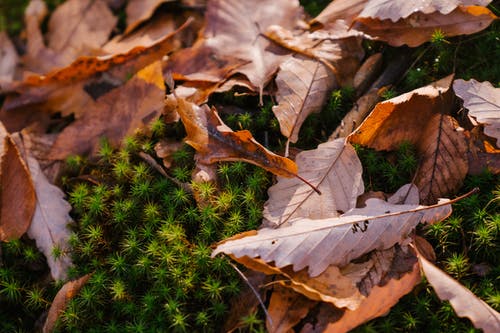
[49,226]
[60,302]
[17,195]
[303,87]
[335,241]
[139,11]
[483,102]
[286,309]
[334,169]
[442,151]
[345,10]
[464,302]
[234,28]
[8,58]
[395,10]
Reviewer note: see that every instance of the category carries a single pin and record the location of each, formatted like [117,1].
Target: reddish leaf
[17,197]
[139,11]
[214,141]
[286,309]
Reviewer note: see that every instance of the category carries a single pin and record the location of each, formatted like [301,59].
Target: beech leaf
[303,86]
[463,301]
[214,141]
[17,195]
[9,59]
[139,11]
[334,241]
[49,226]
[334,168]
[60,302]
[483,102]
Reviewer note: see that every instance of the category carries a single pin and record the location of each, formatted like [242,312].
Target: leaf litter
[335,259]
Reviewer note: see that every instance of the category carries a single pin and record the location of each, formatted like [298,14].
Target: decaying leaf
[8,58]
[464,302]
[483,102]
[303,86]
[165,148]
[49,226]
[214,141]
[378,302]
[17,197]
[334,241]
[139,11]
[334,169]
[286,309]
[115,115]
[443,167]
[421,118]
[60,302]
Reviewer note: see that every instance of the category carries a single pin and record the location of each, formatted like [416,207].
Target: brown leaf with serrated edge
[303,87]
[335,241]
[76,28]
[17,195]
[61,90]
[139,11]
[443,165]
[483,102]
[114,115]
[214,141]
[286,309]
[463,301]
[419,28]
[334,169]
[402,118]
[376,304]
[60,302]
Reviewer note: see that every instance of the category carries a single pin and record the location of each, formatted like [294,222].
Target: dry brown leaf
[396,10]
[8,59]
[214,141]
[60,302]
[234,29]
[139,11]
[378,302]
[49,226]
[335,241]
[303,87]
[443,165]
[115,115]
[419,28]
[340,10]
[17,196]
[334,169]
[76,28]
[402,118]
[61,90]
[165,148]
[483,102]
[463,301]
[286,309]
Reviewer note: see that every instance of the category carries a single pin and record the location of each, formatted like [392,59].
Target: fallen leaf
[214,141]
[286,309]
[115,115]
[443,167]
[139,11]
[378,303]
[483,102]
[340,10]
[419,28]
[8,58]
[334,169]
[165,148]
[76,28]
[60,302]
[49,226]
[335,241]
[463,301]
[17,197]
[303,86]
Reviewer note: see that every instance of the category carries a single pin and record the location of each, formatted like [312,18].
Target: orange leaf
[214,141]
